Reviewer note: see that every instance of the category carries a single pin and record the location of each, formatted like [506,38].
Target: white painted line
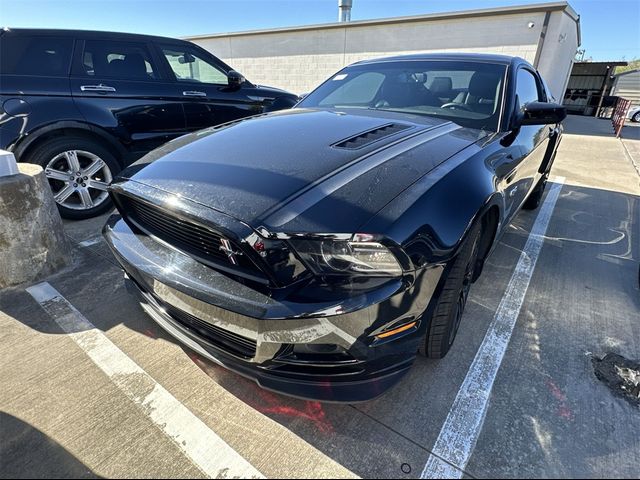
[90,241]
[197,441]
[461,429]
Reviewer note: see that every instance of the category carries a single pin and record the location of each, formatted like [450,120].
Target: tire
[447,314]
[535,197]
[81,194]
[636,117]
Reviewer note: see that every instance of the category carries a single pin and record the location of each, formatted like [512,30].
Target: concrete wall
[298,59]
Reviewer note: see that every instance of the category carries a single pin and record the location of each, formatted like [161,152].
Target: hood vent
[365,138]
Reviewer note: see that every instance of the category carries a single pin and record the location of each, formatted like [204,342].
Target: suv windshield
[467,93]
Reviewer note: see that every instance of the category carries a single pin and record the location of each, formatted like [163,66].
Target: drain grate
[621,375]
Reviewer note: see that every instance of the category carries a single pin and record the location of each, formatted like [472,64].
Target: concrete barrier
[32,240]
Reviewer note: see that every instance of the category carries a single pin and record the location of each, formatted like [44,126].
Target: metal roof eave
[536,7]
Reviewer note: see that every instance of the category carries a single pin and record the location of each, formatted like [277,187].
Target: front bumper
[254,335]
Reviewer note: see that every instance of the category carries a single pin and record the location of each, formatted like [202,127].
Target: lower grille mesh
[225,340]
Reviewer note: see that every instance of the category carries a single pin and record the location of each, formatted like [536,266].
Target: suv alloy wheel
[79,171]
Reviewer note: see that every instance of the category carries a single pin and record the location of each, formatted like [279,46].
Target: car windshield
[467,93]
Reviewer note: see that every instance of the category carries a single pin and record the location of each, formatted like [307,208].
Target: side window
[547,93]
[190,66]
[359,90]
[33,55]
[124,60]
[527,88]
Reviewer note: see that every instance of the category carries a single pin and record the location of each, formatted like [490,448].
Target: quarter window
[192,67]
[526,88]
[124,60]
[42,56]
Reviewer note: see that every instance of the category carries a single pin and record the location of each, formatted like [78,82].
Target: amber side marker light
[395,331]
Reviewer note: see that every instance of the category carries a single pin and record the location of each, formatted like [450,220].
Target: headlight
[359,255]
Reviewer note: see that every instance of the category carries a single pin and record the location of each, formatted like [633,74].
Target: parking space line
[191,435]
[90,241]
[461,429]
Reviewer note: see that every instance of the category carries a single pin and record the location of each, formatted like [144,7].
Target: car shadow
[26,452]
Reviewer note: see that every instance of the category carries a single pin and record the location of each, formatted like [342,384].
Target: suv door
[531,140]
[34,84]
[119,86]
[202,83]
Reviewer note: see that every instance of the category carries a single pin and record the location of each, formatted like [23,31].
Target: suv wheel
[79,171]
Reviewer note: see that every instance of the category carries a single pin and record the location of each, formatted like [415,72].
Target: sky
[610,28]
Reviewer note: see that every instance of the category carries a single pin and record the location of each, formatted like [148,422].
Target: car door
[201,81]
[530,144]
[118,85]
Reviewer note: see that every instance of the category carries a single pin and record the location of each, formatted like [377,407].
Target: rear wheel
[447,315]
[79,170]
[636,117]
[536,196]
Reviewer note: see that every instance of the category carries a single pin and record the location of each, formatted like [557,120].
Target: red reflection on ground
[149,333]
[563,410]
[273,404]
[264,401]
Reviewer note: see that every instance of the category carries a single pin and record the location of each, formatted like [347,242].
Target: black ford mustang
[318,250]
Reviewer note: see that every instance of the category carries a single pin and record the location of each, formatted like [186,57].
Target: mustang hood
[302,170]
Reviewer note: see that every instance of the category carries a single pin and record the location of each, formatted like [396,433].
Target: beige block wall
[298,61]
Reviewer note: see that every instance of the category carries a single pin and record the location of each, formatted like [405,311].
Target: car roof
[87,34]
[458,56]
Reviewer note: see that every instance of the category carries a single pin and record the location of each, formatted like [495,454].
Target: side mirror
[540,113]
[235,79]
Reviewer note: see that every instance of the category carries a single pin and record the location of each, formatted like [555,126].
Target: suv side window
[527,88]
[35,55]
[123,60]
[189,65]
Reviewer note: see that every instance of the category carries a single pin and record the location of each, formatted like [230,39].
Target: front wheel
[79,170]
[636,117]
[447,315]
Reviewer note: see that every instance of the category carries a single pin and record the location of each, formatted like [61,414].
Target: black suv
[86,104]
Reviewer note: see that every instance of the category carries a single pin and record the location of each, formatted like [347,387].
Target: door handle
[193,93]
[97,88]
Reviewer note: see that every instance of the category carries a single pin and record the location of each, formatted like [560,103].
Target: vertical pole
[344,10]
[602,90]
